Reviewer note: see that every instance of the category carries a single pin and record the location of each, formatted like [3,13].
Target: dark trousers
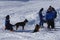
[9,27]
[51,23]
[41,23]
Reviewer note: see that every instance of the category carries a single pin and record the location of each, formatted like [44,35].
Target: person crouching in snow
[41,17]
[51,14]
[8,26]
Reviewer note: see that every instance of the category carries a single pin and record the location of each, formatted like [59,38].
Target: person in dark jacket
[41,17]
[8,26]
[51,14]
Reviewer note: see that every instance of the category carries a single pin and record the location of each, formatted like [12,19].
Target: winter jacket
[40,16]
[7,21]
[50,15]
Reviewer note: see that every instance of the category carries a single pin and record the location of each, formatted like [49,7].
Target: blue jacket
[50,15]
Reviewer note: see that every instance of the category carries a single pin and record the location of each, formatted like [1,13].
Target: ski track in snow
[22,10]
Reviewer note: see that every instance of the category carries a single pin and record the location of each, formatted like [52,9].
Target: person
[8,26]
[41,17]
[51,14]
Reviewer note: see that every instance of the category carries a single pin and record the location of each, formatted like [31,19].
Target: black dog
[21,24]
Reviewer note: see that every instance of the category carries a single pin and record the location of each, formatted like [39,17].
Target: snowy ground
[19,11]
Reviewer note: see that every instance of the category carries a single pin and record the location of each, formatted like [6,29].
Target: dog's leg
[23,28]
[17,27]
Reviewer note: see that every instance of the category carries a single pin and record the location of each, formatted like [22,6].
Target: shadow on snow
[23,30]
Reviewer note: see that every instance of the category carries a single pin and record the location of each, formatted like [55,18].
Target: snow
[19,11]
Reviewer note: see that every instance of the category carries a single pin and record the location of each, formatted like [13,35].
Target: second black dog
[21,24]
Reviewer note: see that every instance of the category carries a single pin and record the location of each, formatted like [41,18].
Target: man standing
[41,17]
[51,14]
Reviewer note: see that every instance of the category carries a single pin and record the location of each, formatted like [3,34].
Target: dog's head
[26,20]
